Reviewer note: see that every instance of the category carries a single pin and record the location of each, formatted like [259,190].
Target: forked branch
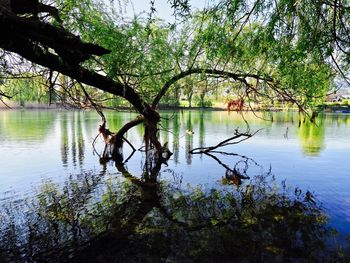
[237,138]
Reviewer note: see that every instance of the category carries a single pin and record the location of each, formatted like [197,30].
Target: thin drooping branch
[123,130]
[2,94]
[3,102]
[114,141]
[248,15]
[342,73]
[102,129]
[215,72]
[103,125]
[97,108]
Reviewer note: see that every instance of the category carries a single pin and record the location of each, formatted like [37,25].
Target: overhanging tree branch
[31,40]
[2,94]
[215,72]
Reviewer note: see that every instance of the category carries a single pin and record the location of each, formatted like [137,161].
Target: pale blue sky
[164,10]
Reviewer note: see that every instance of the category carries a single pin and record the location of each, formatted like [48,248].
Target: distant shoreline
[54,106]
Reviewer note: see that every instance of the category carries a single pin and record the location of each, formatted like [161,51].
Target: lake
[50,146]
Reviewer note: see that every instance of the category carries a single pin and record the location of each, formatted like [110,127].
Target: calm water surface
[39,146]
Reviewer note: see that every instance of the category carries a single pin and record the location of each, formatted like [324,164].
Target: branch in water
[237,135]
[233,174]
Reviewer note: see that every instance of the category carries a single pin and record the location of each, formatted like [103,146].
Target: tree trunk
[189,99]
[23,36]
[152,142]
[201,97]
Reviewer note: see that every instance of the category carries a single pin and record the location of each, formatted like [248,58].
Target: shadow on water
[127,218]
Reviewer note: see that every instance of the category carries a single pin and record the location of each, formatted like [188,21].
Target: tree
[234,42]
[54,47]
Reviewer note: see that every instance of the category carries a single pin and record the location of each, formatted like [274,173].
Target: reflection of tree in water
[201,130]
[115,121]
[80,140]
[72,138]
[64,139]
[26,126]
[189,137]
[312,136]
[338,120]
[165,128]
[176,137]
[100,218]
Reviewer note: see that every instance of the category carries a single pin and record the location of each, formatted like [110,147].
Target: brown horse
[236,104]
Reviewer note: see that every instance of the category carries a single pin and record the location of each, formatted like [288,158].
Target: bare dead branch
[230,141]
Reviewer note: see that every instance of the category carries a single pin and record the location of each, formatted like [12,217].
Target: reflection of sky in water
[36,146]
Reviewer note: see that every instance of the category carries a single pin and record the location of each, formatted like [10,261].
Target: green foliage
[294,42]
[201,102]
[28,89]
[140,51]
[146,54]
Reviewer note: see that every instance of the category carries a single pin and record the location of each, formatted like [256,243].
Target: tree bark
[33,39]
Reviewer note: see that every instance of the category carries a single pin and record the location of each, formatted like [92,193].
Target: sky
[164,10]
